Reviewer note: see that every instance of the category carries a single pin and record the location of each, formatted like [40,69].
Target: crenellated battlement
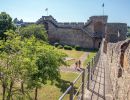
[50,18]
[63,24]
[71,24]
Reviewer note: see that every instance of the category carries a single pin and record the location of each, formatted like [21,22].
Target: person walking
[79,64]
[76,65]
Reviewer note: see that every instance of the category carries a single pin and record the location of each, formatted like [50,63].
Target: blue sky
[67,10]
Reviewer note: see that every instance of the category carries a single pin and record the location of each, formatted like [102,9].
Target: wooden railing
[85,75]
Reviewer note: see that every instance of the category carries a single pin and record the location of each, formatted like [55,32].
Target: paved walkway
[99,84]
[72,67]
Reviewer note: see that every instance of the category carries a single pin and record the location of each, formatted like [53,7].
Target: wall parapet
[63,24]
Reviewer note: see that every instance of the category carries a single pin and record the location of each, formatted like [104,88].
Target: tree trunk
[22,87]
[4,90]
[10,91]
[36,92]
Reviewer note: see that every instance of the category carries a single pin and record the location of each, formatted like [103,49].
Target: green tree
[5,24]
[15,65]
[16,20]
[48,63]
[21,21]
[29,62]
[37,30]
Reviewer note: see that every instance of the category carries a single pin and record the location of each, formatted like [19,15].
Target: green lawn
[89,57]
[70,62]
[72,54]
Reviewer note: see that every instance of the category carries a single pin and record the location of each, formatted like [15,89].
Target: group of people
[78,65]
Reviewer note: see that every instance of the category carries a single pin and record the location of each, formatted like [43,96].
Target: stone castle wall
[69,36]
[116,31]
[86,35]
[118,60]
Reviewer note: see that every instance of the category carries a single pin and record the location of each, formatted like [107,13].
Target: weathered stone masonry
[86,35]
[118,60]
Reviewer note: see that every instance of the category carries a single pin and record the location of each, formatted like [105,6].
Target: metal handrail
[68,89]
[77,78]
[78,90]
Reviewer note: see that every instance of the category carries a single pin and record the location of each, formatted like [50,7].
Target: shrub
[56,44]
[67,47]
[77,47]
[60,47]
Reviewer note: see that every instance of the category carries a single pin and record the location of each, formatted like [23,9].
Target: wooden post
[91,69]
[92,62]
[94,59]
[83,78]
[71,91]
[88,75]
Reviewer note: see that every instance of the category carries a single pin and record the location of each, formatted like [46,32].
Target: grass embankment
[89,58]
[53,92]
[72,54]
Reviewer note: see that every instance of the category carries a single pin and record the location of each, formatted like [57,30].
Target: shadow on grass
[88,50]
[77,49]
[63,85]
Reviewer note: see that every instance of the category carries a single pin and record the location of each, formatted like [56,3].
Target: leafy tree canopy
[36,30]
[5,24]
[26,61]
[16,21]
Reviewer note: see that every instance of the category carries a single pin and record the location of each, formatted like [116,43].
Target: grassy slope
[53,92]
[73,54]
[89,57]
